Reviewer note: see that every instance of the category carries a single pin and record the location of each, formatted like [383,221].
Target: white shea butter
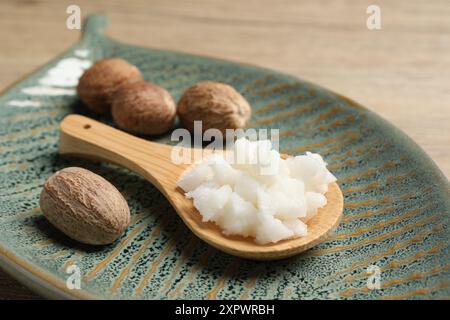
[255,193]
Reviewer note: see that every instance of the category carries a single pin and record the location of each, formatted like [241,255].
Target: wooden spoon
[84,137]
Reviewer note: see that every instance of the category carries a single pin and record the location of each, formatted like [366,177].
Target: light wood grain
[85,137]
[401,72]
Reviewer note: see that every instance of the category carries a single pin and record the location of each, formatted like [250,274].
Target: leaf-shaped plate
[397,202]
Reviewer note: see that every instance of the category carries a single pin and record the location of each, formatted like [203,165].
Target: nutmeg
[143,108]
[216,104]
[99,83]
[84,206]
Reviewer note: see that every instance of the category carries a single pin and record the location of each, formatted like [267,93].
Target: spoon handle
[87,138]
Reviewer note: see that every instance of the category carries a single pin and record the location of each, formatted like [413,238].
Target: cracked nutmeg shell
[84,206]
[216,104]
[99,83]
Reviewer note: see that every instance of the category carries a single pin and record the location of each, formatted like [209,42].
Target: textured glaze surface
[396,215]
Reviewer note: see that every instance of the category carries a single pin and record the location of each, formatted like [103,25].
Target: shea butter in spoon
[86,137]
[253,192]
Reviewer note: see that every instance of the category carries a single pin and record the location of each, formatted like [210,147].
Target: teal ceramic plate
[397,202]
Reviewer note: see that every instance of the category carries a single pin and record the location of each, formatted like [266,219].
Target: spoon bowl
[87,138]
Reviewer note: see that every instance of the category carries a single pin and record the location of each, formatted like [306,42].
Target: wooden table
[401,71]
